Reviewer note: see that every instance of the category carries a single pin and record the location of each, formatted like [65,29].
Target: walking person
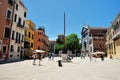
[81,55]
[49,56]
[111,57]
[34,58]
[40,58]
[95,57]
[90,56]
[52,56]
[102,57]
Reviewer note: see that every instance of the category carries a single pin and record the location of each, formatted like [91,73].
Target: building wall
[110,43]
[85,40]
[5,22]
[117,42]
[18,41]
[46,44]
[31,30]
[41,41]
[94,39]
[29,38]
[99,44]
[52,46]
[38,40]
[116,36]
[99,39]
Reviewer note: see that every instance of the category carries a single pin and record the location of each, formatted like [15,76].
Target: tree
[59,45]
[72,43]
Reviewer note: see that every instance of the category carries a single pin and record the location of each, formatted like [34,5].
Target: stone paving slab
[78,69]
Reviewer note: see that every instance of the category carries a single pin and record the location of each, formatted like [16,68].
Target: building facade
[52,46]
[85,40]
[110,44]
[29,38]
[6,14]
[16,50]
[116,36]
[93,39]
[41,41]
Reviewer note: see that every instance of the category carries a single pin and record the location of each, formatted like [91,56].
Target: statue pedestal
[65,58]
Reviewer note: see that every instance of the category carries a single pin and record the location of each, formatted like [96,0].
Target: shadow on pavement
[7,62]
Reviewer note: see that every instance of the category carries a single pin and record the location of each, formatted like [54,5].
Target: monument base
[65,57]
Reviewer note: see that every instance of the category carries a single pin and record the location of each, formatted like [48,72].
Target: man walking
[39,57]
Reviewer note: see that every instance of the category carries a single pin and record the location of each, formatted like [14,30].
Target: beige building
[16,50]
[116,36]
[111,50]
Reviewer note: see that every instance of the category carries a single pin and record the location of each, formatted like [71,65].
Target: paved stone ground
[78,69]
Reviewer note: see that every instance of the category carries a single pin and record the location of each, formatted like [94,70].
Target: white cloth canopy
[98,53]
[39,51]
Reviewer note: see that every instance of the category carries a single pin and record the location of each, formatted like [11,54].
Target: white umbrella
[99,52]
[93,53]
[39,51]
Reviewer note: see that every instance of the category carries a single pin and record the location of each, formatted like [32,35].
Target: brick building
[93,39]
[41,41]
[6,14]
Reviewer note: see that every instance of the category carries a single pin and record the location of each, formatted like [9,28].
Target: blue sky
[50,14]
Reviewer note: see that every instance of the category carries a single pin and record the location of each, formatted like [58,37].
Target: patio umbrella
[38,51]
[99,52]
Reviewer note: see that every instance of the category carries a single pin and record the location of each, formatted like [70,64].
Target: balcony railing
[27,46]
[20,25]
[116,36]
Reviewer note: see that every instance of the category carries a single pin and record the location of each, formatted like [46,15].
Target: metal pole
[64,31]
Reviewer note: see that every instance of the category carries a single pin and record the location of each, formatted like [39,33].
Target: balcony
[116,36]
[20,25]
[26,45]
